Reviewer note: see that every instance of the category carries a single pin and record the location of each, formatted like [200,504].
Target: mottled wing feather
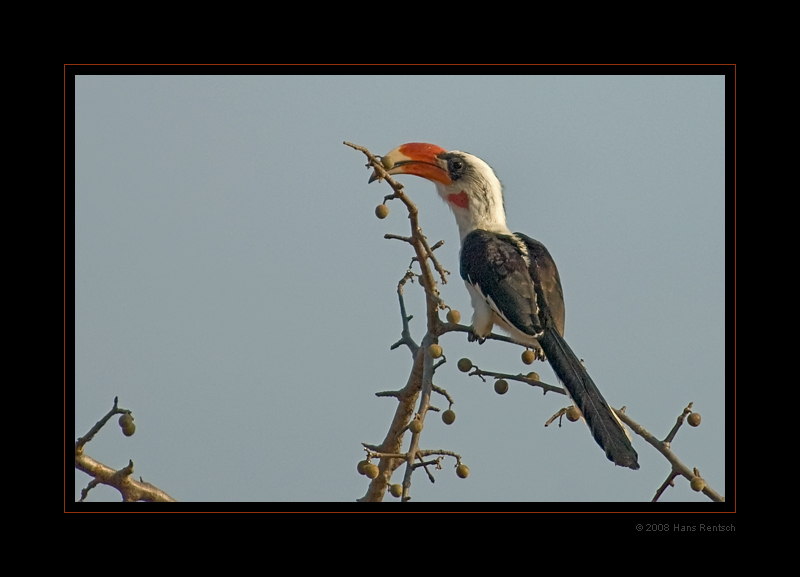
[501,273]
[545,276]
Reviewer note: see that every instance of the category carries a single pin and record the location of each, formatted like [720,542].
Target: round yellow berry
[694,419]
[453,316]
[396,490]
[371,471]
[361,467]
[464,365]
[528,357]
[697,484]
[126,424]
[415,426]
[501,386]
[462,471]
[381,211]
[449,417]
[435,351]
[573,414]
[533,376]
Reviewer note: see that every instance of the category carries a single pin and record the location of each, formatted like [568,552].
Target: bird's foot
[538,352]
[472,336]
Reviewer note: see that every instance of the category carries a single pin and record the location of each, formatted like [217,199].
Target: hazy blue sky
[233,288]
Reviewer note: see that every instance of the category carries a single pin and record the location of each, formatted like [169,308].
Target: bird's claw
[472,336]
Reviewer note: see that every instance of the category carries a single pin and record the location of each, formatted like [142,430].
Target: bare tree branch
[130,489]
[663,447]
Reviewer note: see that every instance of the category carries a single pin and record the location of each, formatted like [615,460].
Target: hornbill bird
[511,278]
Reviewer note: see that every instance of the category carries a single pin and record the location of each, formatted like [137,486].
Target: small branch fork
[115,410]
[405,334]
[664,447]
[130,489]
[477,372]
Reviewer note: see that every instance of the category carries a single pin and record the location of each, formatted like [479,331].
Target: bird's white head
[465,182]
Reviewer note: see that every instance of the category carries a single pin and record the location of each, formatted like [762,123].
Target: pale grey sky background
[233,288]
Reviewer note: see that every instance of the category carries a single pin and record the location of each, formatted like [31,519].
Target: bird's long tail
[603,423]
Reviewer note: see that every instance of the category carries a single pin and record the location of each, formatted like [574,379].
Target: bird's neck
[478,207]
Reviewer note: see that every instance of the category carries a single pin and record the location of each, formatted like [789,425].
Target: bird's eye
[456,165]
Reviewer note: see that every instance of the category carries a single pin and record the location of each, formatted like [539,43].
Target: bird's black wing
[495,265]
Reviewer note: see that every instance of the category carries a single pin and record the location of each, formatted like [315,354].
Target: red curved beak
[418,158]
